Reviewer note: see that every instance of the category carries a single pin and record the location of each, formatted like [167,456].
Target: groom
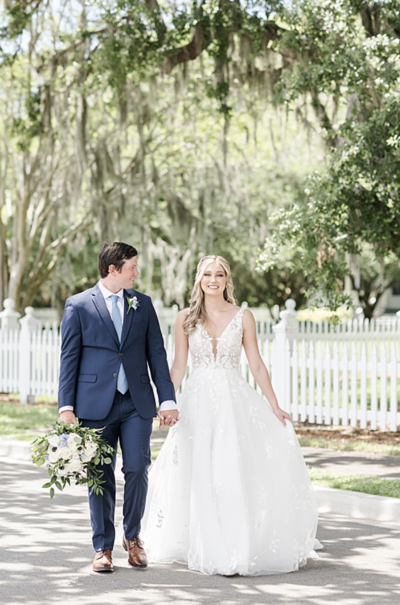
[110,337]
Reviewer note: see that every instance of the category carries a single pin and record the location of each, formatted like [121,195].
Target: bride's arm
[179,365]
[257,365]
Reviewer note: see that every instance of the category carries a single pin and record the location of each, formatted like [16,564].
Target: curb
[358,506]
[354,505]
[17,450]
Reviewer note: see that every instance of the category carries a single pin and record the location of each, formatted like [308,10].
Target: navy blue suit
[91,355]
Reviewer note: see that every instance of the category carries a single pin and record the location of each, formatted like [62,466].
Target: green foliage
[368,447]
[352,58]
[356,483]
[157,142]
[28,125]
[18,17]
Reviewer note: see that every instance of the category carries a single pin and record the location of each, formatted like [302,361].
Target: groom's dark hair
[114,254]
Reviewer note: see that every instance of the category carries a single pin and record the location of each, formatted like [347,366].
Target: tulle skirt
[229,492]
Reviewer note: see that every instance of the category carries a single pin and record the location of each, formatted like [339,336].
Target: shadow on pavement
[46,557]
[353,462]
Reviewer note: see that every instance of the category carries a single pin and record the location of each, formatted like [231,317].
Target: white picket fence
[336,382]
[346,375]
[380,328]
[353,329]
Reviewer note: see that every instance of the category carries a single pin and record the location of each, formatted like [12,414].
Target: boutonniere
[133,303]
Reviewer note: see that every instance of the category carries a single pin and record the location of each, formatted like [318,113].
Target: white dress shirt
[169,404]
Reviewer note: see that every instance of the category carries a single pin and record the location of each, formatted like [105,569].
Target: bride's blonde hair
[197,312]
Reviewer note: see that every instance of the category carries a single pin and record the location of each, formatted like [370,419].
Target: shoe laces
[102,553]
[137,542]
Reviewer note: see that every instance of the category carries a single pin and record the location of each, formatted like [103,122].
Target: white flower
[62,471]
[74,440]
[133,303]
[65,453]
[53,452]
[90,452]
[53,457]
[53,440]
[74,466]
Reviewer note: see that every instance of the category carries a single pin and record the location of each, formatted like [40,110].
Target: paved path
[46,554]
[356,463]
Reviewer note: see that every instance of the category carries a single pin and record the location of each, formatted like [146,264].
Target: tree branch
[154,7]
[36,277]
[200,41]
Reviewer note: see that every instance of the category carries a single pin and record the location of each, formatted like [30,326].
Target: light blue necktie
[122,383]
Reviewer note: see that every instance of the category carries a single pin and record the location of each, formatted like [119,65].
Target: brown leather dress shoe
[103,561]
[136,553]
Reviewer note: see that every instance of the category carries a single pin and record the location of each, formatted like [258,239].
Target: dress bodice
[226,353]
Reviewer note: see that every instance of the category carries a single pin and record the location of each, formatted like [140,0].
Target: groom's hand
[68,417]
[168,417]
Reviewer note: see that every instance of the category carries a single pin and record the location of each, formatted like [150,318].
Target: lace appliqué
[227,351]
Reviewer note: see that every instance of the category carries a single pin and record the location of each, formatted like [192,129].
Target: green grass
[368,447]
[356,483]
[25,422]
[154,453]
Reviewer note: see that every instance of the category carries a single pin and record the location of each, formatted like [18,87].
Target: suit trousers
[122,424]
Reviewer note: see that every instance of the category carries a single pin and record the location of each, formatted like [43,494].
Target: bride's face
[213,281]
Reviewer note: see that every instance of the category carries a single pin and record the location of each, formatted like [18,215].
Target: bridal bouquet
[70,451]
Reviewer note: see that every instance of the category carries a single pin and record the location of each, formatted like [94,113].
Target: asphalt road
[46,555]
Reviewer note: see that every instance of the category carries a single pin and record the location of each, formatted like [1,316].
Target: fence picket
[345,386]
[295,383]
[287,379]
[311,382]
[327,402]
[319,382]
[363,387]
[353,372]
[303,381]
[383,401]
[335,366]
[374,387]
[393,390]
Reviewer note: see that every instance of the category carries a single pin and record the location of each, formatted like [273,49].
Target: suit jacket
[91,356]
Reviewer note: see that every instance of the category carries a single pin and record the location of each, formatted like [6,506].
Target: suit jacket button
[121,354]
[115,374]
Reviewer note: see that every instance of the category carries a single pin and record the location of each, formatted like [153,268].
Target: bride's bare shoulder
[182,315]
[248,318]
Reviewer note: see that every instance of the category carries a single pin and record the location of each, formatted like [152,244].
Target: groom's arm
[157,360]
[71,345]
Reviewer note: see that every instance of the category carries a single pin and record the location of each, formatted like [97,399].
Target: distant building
[392,298]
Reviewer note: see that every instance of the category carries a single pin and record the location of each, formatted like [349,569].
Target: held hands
[281,415]
[168,417]
[68,417]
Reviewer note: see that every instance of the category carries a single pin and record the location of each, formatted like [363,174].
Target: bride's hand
[281,415]
[168,417]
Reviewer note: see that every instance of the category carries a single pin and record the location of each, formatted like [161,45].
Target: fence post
[9,317]
[28,324]
[285,332]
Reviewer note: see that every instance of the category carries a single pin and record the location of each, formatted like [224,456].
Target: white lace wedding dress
[229,492]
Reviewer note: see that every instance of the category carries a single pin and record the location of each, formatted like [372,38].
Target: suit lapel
[128,317]
[100,304]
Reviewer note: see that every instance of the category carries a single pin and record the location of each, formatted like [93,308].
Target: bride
[229,492]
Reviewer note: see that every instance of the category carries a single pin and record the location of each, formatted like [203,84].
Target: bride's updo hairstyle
[197,312]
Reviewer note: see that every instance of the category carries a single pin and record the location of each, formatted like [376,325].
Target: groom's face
[125,278]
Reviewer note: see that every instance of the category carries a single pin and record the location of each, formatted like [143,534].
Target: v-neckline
[217,338]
